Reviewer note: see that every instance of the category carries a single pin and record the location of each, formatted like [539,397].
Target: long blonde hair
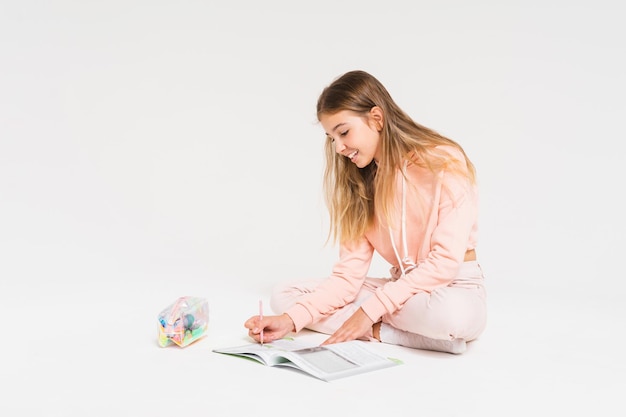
[355,196]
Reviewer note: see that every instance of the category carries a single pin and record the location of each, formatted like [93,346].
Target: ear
[377,117]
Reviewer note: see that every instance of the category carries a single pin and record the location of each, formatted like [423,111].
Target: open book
[326,362]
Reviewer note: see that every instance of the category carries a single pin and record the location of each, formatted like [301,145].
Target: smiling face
[356,137]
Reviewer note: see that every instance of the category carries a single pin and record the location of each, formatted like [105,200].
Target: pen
[261,317]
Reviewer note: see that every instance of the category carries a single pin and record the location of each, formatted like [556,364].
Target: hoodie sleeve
[453,220]
[339,289]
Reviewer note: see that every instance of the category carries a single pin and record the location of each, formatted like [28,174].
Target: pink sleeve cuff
[300,316]
[373,308]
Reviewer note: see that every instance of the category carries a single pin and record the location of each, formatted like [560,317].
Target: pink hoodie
[440,214]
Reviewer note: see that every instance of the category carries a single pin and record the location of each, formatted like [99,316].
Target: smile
[353,155]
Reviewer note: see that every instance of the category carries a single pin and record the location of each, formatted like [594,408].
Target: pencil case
[184,321]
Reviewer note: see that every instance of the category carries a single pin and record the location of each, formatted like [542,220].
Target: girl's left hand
[358,325]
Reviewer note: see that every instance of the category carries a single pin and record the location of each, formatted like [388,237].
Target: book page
[326,360]
[339,360]
[267,353]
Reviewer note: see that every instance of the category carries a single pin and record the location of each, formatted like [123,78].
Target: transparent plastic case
[184,321]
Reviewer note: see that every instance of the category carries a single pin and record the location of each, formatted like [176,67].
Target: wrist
[289,322]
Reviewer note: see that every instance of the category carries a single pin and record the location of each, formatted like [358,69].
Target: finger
[250,322]
[252,335]
[253,323]
[267,338]
[257,337]
[332,339]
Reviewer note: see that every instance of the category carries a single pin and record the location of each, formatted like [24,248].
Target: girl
[403,190]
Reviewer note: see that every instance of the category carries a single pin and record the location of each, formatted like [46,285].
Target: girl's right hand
[274,327]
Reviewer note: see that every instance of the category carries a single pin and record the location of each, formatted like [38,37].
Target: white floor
[92,351]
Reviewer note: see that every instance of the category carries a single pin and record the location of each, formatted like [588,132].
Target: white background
[154,149]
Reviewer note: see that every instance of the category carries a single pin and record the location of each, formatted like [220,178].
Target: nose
[339,146]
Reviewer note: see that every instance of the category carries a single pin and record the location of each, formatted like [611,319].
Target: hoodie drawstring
[406,260]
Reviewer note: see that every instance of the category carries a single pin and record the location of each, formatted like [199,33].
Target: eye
[330,139]
[344,133]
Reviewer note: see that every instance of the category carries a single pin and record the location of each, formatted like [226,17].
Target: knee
[452,316]
[285,295]
[281,299]
[466,320]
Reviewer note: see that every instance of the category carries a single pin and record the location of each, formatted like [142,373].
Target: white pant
[456,311]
